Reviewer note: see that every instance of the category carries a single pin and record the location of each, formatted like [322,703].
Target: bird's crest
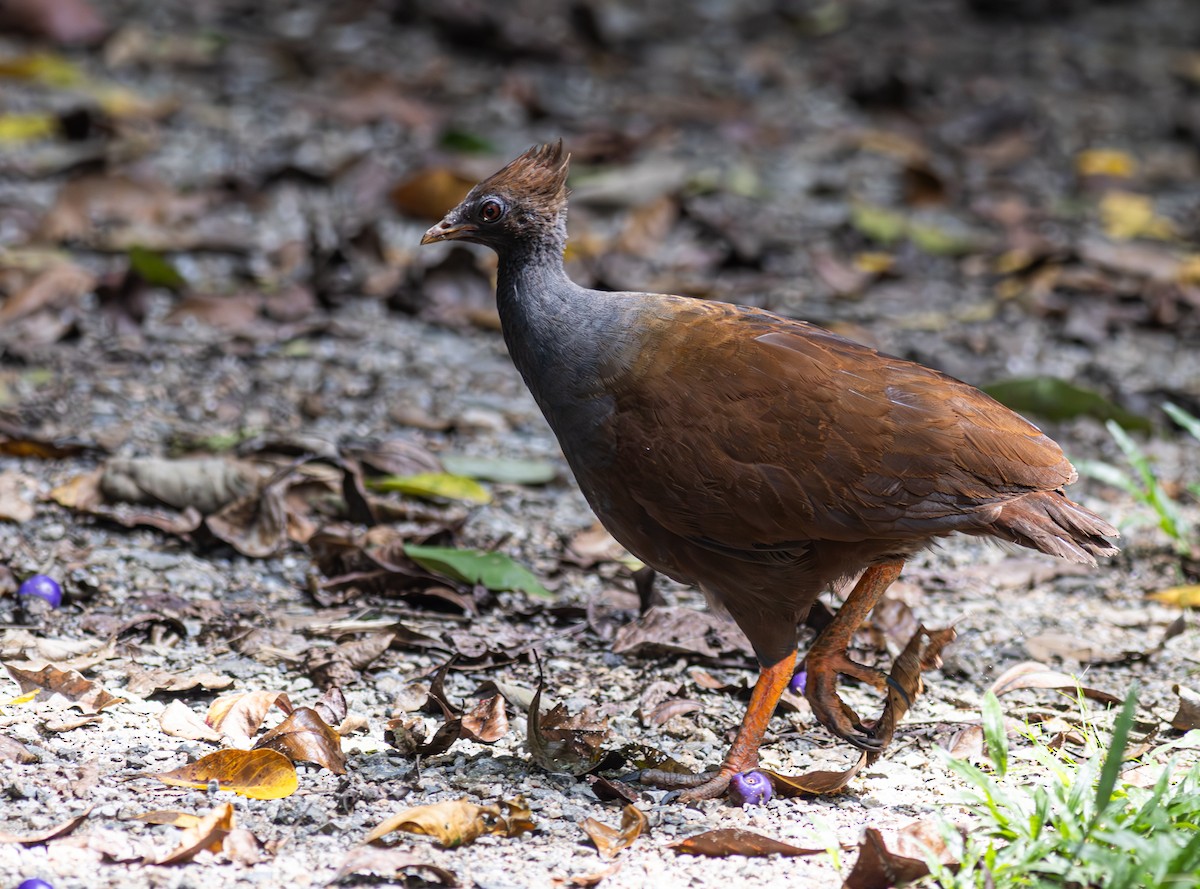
[538,176]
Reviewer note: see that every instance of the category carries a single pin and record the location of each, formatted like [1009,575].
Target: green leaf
[1116,753]
[1057,399]
[878,224]
[495,571]
[940,241]
[461,140]
[155,269]
[434,486]
[994,734]
[1184,419]
[502,469]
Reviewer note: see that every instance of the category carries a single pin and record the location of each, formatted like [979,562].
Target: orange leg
[743,755]
[828,657]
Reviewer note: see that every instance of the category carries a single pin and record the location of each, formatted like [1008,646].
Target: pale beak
[446,231]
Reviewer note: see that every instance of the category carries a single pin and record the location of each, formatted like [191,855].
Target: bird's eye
[491,210]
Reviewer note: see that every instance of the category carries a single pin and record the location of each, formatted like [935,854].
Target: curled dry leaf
[50,683]
[239,716]
[180,721]
[609,841]
[332,706]
[735,841]
[50,833]
[393,863]
[14,751]
[1030,674]
[342,664]
[256,774]
[818,782]
[458,822]
[487,722]
[1187,714]
[207,484]
[892,858]
[305,737]
[562,743]
[207,832]
[904,685]
[144,683]
[678,630]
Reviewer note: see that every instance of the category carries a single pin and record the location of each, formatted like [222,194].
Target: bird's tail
[1049,521]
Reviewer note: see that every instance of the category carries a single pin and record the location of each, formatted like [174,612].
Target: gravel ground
[752,101]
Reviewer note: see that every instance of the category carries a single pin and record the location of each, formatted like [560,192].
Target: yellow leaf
[1105,162]
[436,485]
[257,774]
[43,67]
[1126,215]
[458,822]
[23,699]
[1189,270]
[26,127]
[874,262]
[1179,596]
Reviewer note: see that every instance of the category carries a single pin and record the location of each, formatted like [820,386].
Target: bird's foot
[823,667]
[689,788]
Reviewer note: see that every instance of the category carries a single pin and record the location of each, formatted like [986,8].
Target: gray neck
[559,334]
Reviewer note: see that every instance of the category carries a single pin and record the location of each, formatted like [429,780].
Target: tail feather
[1050,522]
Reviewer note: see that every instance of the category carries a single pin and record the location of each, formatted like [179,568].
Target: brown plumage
[758,457]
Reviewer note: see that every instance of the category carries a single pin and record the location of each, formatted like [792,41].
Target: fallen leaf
[53,288]
[393,863]
[495,571]
[239,716]
[1030,674]
[1107,162]
[584,881]
[205,483]
[1060,645]
[51,833]
[735,841]
[51,683]
[1057,399]
[12,750]
[892,858]
[305,737]
[904,684]
[487,722]
[255,774]
[434,486]
[144,683]
[16,498]
[679,630]
[562,743]
[609,841]
[394,456]
[431,193]
[456,823]
[1187,714]
[818,782]
[1187,596]
[17,128]
[205,833]
[64,22]
[1126,215]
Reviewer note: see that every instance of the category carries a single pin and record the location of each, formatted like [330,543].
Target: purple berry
[799,681]
[35,883]
[751,788]
[42,587]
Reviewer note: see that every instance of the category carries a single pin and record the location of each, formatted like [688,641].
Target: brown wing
[747,431]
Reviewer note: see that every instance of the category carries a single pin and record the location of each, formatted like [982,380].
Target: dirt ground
[213,251]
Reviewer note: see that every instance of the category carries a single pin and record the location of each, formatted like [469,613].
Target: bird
[757,457]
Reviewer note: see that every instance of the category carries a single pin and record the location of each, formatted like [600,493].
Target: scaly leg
[743,755]
[828,657]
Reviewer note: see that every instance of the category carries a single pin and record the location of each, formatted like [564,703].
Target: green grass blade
[1111,769]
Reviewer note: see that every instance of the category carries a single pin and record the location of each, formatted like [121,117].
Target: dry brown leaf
[679,630]
[818,782]
[332,707]
[239,716]
[14,751]
[305,737]
[343,663]
[431,193]
[204,833]
[256,774]
[1030,674]
[487,722]
[16,496]
[68,724]
[610,841]
[99,209]
[52,288]
[891,858]
[595,545]
[923,652]
[1060,645]
[53,684]
[392,863]
[458,822]
[180,721]
[50,833]
[607,789]
[735,841]
[1187,714]
[585,881]
[668,710]
[144,683]
[562,743]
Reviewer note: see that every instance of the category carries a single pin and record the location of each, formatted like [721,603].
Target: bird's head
[526,200]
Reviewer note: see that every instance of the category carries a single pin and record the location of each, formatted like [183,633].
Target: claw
[827,705]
